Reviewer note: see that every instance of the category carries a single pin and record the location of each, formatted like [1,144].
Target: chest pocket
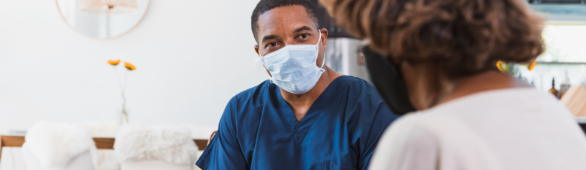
[328,166]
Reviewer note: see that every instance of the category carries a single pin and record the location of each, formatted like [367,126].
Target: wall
[192,57]
[342,57]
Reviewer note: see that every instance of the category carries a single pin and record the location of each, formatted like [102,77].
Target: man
[307,116]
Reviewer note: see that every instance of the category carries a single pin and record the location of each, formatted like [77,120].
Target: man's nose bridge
[290,41]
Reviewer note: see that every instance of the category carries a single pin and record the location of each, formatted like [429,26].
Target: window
[564,43]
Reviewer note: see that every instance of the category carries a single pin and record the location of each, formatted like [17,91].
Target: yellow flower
[499,65]
[114,62]
[129,66]
[532,66]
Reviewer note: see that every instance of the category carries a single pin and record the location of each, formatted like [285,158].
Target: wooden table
[101,143]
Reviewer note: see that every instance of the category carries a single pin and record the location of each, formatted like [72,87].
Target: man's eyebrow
[268,37]
[304,28]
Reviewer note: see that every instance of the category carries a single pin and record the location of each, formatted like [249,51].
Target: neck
[487,81]
[300,103]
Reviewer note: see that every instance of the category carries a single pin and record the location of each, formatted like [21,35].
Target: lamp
[109,6]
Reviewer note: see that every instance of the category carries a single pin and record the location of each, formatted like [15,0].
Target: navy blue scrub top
[258,130]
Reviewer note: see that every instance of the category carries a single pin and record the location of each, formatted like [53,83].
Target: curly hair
[463,37]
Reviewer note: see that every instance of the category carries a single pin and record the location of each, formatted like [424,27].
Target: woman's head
[443,39]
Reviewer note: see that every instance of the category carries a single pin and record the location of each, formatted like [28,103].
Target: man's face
[288,25]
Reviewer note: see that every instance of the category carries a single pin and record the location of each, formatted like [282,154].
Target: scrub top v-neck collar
[312,113]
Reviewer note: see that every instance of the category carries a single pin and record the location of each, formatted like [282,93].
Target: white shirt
[513,129]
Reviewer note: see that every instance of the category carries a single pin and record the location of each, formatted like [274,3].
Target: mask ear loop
[324,61]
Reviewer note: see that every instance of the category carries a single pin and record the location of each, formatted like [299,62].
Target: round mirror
[103,18]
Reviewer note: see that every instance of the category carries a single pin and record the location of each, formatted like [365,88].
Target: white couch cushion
[171,144]
[55,145]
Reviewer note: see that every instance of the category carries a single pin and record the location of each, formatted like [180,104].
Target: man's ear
[256,49]
[324,37]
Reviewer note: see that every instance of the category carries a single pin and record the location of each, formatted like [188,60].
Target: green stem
[119,80]
[125,80]
[124,97]
[126,117]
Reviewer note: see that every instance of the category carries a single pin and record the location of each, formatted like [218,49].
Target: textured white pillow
[56,144]
[172,144]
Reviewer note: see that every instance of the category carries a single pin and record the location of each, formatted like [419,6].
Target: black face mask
[388,80]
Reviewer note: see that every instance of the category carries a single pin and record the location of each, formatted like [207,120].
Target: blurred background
[191,58]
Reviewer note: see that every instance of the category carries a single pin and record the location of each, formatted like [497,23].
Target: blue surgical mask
[293,67]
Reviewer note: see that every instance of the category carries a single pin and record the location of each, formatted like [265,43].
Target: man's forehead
[286,18]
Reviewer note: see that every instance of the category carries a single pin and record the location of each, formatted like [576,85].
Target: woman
[470,115]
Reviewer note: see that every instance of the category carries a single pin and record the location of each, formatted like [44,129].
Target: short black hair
[267,5]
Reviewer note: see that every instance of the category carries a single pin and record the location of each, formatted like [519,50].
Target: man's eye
[272,44]
[303,36]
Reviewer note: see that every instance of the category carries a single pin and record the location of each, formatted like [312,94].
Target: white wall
[192,57]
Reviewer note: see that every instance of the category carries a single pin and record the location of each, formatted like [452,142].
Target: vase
[123,114]
[122,117]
